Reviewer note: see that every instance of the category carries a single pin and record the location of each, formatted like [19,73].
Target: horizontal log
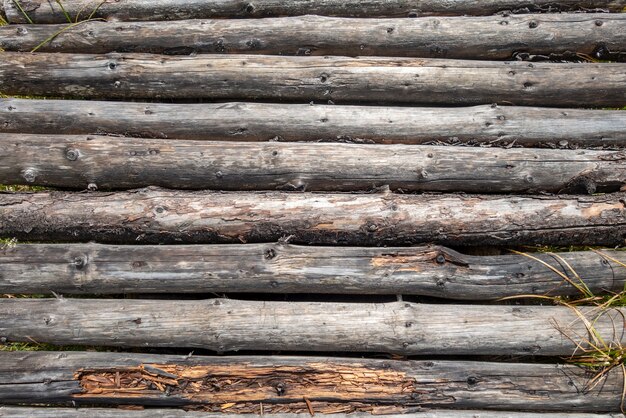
[486,124]
[285,268]
[164,216]
[72,161]
[43,412]
[341,79]
[228,325]
[450,37]
[41,11]
[329,384]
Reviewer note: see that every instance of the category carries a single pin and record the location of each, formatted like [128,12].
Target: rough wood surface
[353,384]
[164,216]
[494,37]
[41,11]
[286,268]
[486,124]
[227,325]
[42,412]
[340,79]
[71,161]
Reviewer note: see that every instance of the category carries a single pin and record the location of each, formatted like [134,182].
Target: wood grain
[285,268]
[81,162]
[305,79]
[490,38]
[486,124]
[43,412]
[41,11]
[162,216]
[228,325]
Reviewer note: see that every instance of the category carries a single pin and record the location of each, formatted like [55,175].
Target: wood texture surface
[286,268]
[41,11]
[330,382]
[104,162]
[305,79]
[486,124]
[43,412]
[228,325]
[491,38]
[163,216]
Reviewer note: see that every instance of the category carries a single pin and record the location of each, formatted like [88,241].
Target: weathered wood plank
[42,412]
[285,268]
[165,216]
[41,11]
[72,161]
[401,80]
[227,325]
[491,38]
[498,125]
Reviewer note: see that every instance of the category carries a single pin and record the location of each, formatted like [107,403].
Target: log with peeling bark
[86,412]
[285,268]
[165,216]
[486,124]
[236,385]
[228,325]
[89,161]
[338,79]
[40,11]
[449,37]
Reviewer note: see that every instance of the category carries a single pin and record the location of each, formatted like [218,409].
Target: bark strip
[491,38]
[486,124]
[41,11]
[227,325]
[82,162]
[305,79]
[163,216]
[285,268]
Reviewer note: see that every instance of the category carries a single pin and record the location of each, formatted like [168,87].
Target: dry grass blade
[57,33]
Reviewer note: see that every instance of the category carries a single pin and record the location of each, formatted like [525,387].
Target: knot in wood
[281,389]
[72,154]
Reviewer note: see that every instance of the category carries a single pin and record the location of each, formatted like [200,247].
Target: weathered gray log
[401,80]
[72,161]
[41,11]
[227,325]
[284,382]
[164,216]
[528,126]
[285,268]
[494,37]
[42,412]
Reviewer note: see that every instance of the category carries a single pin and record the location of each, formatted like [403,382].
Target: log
[329,384]
[286,268]
[338,79]
[77,161]
[42,412]
[41,11]
[154,216]
[448,37]
[487,124]
[227,325]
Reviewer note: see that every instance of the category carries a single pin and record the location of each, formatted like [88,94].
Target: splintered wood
[314,387]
